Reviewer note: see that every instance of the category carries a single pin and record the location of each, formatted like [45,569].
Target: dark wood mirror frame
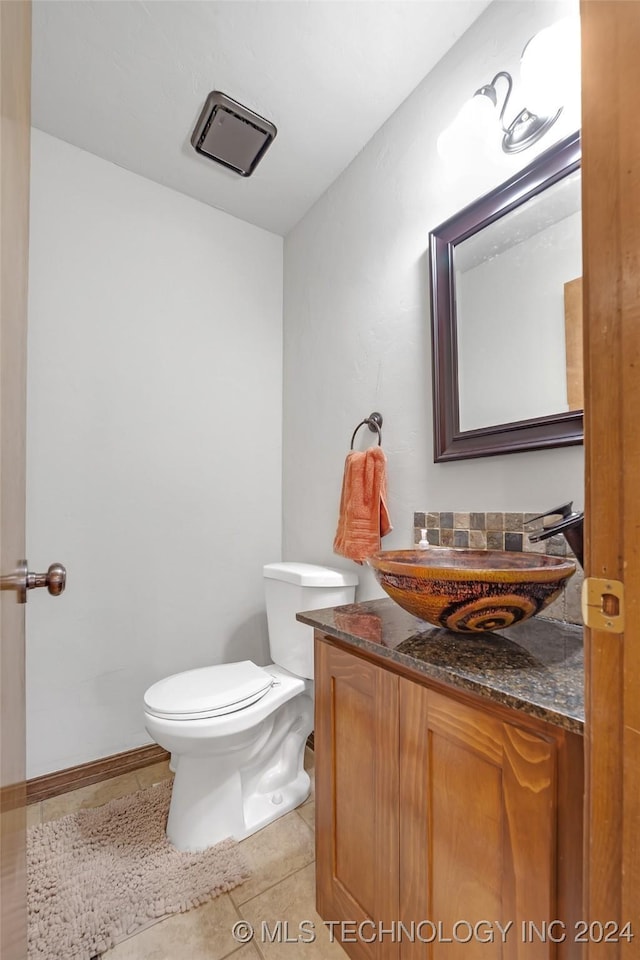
[450,443]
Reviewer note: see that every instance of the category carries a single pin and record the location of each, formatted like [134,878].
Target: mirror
[506,299]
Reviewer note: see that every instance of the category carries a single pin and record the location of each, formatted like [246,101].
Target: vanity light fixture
[550,76]
[527,127]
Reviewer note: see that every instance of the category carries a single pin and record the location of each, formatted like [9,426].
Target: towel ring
[374,422]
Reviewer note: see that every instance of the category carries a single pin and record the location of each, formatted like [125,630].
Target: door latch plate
[603,604]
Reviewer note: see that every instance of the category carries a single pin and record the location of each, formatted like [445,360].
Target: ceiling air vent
[232,134]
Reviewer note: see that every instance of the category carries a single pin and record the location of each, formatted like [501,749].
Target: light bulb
[474,130]
[550,67]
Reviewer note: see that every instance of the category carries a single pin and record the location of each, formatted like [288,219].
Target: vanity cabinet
[434,806]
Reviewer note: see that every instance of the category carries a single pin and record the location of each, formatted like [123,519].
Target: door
[357,799]
[15,91]
[611,254]
[487,831]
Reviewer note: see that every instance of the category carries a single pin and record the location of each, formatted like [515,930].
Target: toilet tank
[291,588]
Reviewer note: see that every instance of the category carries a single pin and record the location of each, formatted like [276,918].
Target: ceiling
[126,80]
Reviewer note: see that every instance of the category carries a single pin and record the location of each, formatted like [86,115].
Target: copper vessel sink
[471,591]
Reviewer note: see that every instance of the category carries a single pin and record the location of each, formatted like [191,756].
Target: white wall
[357,321]
[154,445]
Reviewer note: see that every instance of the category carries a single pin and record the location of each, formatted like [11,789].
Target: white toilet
[237,731]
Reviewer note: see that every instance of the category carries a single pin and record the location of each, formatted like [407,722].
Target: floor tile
[308,813]
[200,934]
[246,953]
[292,900]
[273,853]
[34,814]
[155,773]
[92,796]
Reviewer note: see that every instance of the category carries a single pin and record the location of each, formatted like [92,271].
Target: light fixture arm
[506,76]
[489,90]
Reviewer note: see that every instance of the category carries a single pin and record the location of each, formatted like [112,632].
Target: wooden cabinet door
[356,741]
[478,828]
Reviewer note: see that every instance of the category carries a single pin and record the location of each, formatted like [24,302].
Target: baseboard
[62,781]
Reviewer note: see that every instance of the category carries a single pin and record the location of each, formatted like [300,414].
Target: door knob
[55,580]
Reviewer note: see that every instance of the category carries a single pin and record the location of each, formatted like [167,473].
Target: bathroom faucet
[571,524]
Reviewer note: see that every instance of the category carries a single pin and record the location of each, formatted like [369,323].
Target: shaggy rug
[98,876]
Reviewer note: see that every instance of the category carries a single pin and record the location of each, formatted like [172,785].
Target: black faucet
[571,524]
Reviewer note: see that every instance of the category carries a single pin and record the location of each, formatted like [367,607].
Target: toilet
[237,731]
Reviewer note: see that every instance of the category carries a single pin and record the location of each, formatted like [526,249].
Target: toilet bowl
[237,731]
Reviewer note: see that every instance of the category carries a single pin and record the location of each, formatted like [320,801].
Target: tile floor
[281,888]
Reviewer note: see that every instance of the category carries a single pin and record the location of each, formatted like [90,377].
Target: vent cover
[232,134]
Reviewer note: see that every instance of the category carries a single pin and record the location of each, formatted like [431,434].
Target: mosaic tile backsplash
[502,531]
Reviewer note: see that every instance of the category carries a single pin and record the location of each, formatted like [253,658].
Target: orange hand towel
[364,518]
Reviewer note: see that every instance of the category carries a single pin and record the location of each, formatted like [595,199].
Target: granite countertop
[536,667]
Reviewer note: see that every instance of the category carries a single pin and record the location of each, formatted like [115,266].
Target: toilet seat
[208,691]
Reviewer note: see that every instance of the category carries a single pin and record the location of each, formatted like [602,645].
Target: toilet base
[262,809]
[258,778]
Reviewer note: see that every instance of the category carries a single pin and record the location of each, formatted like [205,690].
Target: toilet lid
[208,691]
